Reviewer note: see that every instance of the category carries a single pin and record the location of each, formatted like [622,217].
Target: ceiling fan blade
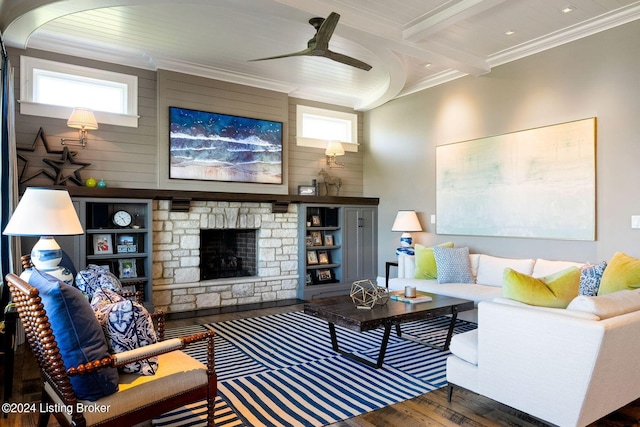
[286,55]
[326,30]
[347,60]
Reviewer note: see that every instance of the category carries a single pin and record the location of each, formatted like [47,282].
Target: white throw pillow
[608,305]
[491,268]
[545,267]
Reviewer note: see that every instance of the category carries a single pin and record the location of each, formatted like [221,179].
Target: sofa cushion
[425,261]
[78,334]
[465,346]
[545,267]
[590,277]
[608,305]
[562,311]
[453,265]
[491,269]
[622,272]
[556,290]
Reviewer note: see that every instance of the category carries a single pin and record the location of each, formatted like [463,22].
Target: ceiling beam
[430,24]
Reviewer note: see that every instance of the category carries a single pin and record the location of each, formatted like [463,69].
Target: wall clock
[122,218]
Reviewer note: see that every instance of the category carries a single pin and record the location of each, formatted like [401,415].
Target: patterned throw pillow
[127,325]
[590,276]
[95,277]
[453,265]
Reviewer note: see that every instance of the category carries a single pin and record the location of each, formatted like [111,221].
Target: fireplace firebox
[227,253]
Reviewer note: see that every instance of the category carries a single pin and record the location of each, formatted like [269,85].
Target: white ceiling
[411,44]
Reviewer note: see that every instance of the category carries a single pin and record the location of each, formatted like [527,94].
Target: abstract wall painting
[219,147]
[537,183]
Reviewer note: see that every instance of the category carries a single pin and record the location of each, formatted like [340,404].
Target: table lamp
[406,221]
[46,212]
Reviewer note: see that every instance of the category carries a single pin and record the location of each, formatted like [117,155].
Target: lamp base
[406,242]
[403,250]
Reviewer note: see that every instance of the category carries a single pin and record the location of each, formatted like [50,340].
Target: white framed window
[53,89]
[316,126]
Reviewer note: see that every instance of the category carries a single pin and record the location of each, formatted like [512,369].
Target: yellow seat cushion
[426,267]
[556,290]
[177,372]
[622,272]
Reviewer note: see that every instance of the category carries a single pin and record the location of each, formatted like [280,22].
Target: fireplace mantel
[181,196]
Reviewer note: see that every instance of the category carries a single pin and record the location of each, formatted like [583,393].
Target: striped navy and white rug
[281,370]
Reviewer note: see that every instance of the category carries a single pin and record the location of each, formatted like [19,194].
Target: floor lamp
[46,212]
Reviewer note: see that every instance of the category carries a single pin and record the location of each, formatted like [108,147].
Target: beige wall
[138,157]
[593,77]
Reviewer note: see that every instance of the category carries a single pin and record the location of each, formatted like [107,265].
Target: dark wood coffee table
[342,311]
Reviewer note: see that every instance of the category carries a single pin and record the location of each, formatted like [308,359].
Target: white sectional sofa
[487,271]
[569,367]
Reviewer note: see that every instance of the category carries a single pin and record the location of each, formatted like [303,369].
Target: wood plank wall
[122,156]
[138,157]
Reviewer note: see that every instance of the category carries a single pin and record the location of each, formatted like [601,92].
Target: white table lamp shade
[45,212]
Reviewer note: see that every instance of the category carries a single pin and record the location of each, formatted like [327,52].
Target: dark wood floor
[431,409]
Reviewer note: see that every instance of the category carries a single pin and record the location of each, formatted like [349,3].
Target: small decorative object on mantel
[102,184]
[91,182]
[307,190]
[365,294]
[330,181]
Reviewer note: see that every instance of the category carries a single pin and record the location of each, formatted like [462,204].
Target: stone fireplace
[177,260]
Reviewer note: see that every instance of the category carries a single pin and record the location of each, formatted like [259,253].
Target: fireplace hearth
[226,253]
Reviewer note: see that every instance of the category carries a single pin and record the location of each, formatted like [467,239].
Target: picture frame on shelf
[127,268]
[324,275]
[315,221]
[307,190]
[309,279]
[126,244]
[308,241]
[316,237]
[328,240]
[102,244]
[323,257]
[312,257]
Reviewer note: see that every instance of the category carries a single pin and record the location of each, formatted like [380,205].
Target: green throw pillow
[556,290]
[426,262]
[622,272]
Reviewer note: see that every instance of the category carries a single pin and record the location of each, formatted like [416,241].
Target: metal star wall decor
[64,165]
[29,172]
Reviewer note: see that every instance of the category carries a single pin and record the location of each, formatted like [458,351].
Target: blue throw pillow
[453,265]
[590,277]
[78,333]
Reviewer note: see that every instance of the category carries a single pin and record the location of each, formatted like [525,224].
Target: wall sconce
[406,221]
[334,148]
[84,120]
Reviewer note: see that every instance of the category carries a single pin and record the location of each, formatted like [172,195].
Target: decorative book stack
[419,298]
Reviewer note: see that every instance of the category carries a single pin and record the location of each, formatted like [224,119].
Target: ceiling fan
[319,44]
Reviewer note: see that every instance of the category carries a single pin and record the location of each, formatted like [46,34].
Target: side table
[10,317]
[387,267]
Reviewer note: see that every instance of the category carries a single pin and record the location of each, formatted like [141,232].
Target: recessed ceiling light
[509,33]
[567,9]
[427,65]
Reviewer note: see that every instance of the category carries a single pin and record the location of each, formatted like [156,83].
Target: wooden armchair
[179,380]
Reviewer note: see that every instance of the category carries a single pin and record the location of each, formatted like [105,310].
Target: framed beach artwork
[219,147]
[537,183]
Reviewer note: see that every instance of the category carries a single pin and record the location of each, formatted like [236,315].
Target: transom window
[316,126]
[53,89]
